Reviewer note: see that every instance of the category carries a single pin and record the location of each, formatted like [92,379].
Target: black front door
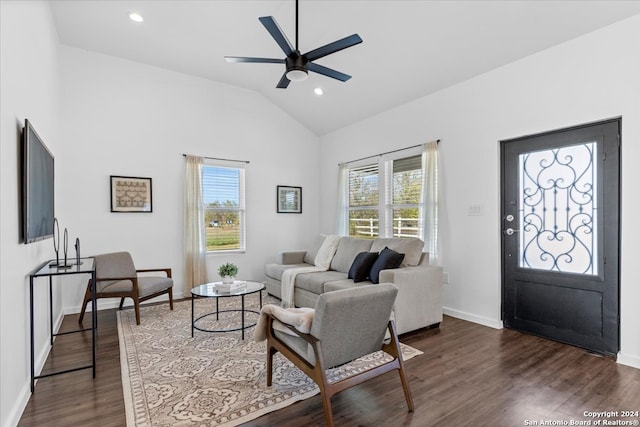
[560,234]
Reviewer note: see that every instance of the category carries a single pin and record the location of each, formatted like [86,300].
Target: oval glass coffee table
[212,290]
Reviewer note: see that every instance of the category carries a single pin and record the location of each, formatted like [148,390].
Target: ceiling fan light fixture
[297,65]
[297,74]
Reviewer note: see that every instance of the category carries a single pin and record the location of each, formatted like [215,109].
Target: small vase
[227,279]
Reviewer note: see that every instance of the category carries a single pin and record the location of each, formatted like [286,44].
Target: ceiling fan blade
[260,60]
[330,48]
[316,68]
[284,82]
[274,29]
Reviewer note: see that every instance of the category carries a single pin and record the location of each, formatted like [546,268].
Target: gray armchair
[117,277]
[347,324]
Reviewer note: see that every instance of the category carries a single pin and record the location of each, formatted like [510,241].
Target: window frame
[375,207]
[241,208]
[392,205]
[386,206]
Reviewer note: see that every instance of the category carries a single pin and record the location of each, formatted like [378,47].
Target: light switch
[476,210]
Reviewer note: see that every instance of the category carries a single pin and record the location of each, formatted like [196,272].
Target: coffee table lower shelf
[241,328]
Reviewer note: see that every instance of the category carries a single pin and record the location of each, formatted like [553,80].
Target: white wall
[103,116]
[587,79]
[29,84]
[126,118]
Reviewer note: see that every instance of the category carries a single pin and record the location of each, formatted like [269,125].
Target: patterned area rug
[212,379]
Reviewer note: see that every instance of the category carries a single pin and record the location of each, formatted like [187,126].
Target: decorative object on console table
[131,194]
[228,272]
[65,264]
[56,243]
[77,246]
[289,199]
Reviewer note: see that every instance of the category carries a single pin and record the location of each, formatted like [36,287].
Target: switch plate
[445,277]
[475,210]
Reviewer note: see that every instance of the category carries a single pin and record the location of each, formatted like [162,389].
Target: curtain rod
[218,158]
[437,141]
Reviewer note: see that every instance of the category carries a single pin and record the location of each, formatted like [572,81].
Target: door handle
[509,231]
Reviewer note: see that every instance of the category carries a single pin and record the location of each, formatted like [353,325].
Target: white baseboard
[492,323]
[628,360]
[21,403]
[108,303]
[103,304]
[41,356]
[25,393]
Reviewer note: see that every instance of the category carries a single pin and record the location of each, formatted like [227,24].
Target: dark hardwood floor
[469,375]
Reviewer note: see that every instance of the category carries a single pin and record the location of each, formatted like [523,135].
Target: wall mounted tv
[37,187]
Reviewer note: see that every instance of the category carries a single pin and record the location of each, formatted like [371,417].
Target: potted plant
[228,272]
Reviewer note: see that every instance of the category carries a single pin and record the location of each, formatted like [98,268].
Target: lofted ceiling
[410,49]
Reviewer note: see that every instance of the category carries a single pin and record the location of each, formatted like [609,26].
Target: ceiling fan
[298,65]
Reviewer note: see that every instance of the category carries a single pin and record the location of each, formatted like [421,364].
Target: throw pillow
[361,266]
[387,259]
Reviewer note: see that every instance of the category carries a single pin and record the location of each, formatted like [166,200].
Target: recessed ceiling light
[136,17]
[318,91]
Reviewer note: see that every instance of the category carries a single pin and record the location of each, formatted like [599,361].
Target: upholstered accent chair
[347,324]
[117,277]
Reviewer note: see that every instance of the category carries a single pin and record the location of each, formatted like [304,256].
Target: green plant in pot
[228,272]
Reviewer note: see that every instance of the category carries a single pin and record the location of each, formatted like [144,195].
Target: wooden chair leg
[121,303]
[270,352]
[406,389]
[87,298]
[326,405]
[171,298]
[136,306]
[319,377]
[396,351]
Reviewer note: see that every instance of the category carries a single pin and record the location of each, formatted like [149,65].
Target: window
[384,198]
[406,190]
[224,209]
[363,201]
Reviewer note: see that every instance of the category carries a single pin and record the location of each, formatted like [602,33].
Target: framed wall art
[289,199]
[131,194]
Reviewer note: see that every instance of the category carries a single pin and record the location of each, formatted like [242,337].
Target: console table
[49,269]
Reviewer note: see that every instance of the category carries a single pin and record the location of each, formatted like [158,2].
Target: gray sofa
[419,301]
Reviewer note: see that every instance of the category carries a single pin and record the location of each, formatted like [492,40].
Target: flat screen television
[37,187]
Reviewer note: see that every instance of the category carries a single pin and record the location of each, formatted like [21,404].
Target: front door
[560,234]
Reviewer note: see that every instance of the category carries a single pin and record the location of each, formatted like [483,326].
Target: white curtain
[429,199]
[195,249]
[342,220]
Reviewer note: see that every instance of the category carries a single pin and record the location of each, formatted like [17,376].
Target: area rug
[212,379]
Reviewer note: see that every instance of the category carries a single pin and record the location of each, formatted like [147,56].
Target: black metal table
[212,290]
[50,269]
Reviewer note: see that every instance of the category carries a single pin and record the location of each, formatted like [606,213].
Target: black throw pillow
[387,259]
[361,265]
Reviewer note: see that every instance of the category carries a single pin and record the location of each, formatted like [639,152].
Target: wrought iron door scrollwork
[558,209]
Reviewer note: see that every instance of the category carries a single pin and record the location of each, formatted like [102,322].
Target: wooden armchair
[347,324]
[117,277]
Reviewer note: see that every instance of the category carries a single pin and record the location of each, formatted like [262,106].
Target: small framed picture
[130,194]
[289,199]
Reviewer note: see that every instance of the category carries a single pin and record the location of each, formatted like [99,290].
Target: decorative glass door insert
[558,209]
